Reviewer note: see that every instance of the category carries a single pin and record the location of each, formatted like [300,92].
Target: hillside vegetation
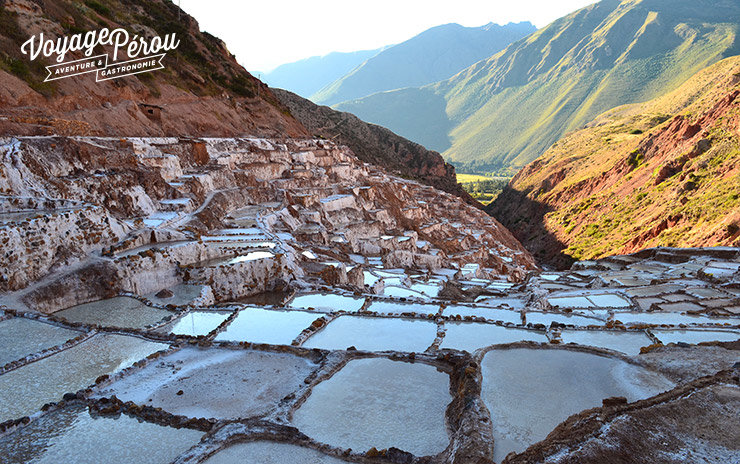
[505,111]
[662,173]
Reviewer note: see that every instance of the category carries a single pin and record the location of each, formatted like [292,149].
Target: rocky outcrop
[202,90]
[375,144]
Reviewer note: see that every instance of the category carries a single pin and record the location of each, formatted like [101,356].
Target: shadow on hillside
[525,218]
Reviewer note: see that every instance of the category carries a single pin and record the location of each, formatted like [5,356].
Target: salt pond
[197,323]
[379,403]
[327,302]
[258,325]
[374,334]
[72,435]
[470,336]
[695,336]
[20,337]
[214,383]
[519,386]
[121,311]
[267,452]
[24,390]
[625,342]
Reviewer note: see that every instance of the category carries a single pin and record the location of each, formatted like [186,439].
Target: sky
[266,33]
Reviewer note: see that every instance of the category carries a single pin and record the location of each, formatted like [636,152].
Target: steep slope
[435,54]
[662,173]
[201,91]
[375,144]
[308,76]
[504,112]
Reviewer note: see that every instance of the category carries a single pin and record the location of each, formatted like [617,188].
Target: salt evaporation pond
[258,325]
[24,390]
[379,403]
[469,336]
[695,336]
[561,318]
[120,311]
[374,334]
[266,452]
[392,307]
[626,342]
[327,302]
[492,314]
[669,318]
[20,337]
[72,435]
[197,323]
[530,391]
[182,294]
[215,383]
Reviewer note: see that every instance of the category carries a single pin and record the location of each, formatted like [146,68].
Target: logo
[144,55]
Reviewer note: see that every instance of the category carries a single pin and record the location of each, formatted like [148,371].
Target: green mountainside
[505,111]
[435,54]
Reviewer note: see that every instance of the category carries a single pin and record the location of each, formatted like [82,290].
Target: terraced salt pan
[493,314]
[379,403]
[120,311]
[470,336]
[626,342]
[669,318]
[530,391]
[514,303]
[258,325]
[374,334]
[401,292]
[72,435]
[182,294]
[24,390]
[215,383]
[327,302]
[429,289]
[695,336]
[197,323]
[266,452]
[561,318]
[392,307]
[20,337]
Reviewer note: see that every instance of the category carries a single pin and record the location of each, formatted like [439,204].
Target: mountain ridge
[309,75]
[434,54]
[504,111]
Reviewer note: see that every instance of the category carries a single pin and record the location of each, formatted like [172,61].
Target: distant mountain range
[308,76]
[661,173]
[506,110]
[435,54]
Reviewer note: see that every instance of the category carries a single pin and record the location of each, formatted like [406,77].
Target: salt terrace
[279,301]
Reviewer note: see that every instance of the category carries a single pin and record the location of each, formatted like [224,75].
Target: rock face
[375,144]
[662,173]
[202,90]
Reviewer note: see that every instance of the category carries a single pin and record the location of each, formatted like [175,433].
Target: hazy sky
[266,33]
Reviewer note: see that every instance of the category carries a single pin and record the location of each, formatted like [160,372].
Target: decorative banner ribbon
[128,68]
[104,71]
[77,67]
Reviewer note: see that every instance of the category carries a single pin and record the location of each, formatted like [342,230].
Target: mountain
[661,173]
[505,111]
[202,90]
[376,144]
[435,54]
[308,76]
